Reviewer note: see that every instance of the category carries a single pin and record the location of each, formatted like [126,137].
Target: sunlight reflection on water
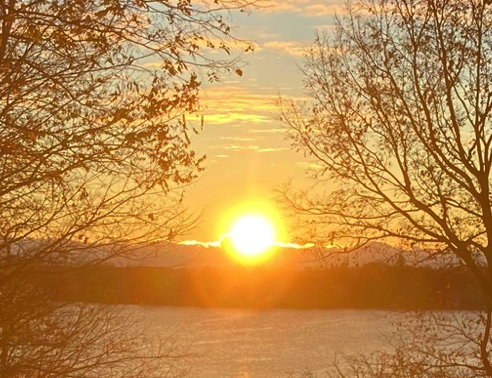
[237,343]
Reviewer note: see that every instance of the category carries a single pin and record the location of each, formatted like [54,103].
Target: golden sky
[247,151]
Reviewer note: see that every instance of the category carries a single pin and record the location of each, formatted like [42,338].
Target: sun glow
[251,231]
[252,235]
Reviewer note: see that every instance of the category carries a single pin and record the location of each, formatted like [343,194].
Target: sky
[248,154]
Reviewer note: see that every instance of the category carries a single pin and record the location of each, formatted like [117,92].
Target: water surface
[238,343]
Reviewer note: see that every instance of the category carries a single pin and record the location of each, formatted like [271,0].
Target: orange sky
[247,151]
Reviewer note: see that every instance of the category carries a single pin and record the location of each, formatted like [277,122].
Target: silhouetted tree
[93,139]
[401,127]
[431,345]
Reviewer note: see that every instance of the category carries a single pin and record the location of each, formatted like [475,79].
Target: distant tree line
[374,285]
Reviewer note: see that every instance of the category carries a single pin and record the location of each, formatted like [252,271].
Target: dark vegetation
[98,103]
[371,286]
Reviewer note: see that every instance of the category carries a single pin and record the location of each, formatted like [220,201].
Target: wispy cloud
[319,8]
[240,148]
[219,244]
[228,104]
[237,138]
[267,131]
[287,47]
[308,165]
[203,244]
[235,147]
[273,149]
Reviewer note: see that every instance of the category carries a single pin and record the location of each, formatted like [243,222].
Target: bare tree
[401,128]
[94,139]
[430,345]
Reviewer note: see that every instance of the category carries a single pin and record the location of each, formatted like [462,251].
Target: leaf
[239,72]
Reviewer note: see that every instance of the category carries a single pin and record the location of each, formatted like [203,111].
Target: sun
[251,232]
[252,235]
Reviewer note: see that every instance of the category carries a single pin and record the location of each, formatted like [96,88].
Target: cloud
[294,245]
[307,165]
[293,48]
[237,138]
[218,244]
[241,120]
[267,131]
[241,148]
[317,8]
[229,104]
[279,149]
[235,147]
[323,9]
[200,243]
[249,147]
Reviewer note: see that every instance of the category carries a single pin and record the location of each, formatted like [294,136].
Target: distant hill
[172,255]
[375,276]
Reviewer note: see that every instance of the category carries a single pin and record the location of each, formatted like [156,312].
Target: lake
[239,343]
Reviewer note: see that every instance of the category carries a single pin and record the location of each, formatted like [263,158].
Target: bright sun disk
[252,235]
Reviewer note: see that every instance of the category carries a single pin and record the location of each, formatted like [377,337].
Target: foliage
[94,99]
[93,102]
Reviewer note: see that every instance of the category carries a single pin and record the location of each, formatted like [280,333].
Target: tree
[430,345]
[94,141]
[401,126]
